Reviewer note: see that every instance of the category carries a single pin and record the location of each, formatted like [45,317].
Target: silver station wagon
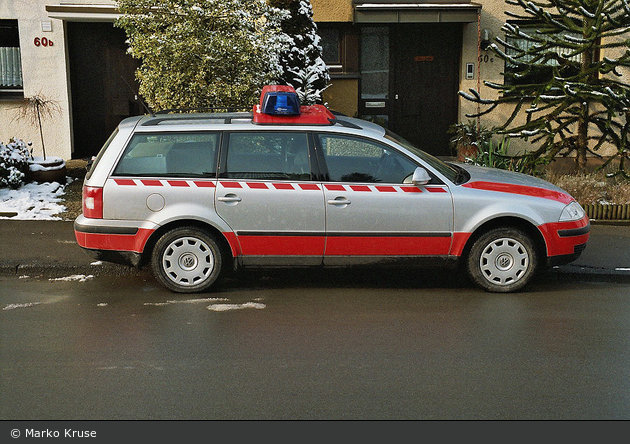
[195,195]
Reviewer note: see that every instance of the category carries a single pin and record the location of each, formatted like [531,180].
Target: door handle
[229,198]
[338,201]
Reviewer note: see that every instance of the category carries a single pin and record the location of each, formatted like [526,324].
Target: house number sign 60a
[42,41]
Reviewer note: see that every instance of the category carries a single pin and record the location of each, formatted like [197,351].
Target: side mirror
[420,177]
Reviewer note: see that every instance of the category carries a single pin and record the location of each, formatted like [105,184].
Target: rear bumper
[113,241]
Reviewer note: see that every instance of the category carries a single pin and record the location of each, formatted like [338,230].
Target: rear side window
[171,155]
[268,155]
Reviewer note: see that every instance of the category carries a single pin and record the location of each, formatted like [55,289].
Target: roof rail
[207,109]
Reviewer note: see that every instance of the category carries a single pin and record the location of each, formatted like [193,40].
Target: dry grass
[592,188]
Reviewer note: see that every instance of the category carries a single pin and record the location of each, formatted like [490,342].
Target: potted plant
[42,168]
[469,139]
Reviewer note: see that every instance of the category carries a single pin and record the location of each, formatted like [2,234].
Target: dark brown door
[102,83]
[425,65]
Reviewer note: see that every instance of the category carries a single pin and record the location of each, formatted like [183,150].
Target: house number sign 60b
[43,41]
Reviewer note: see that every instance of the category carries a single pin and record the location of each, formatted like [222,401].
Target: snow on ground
[227,307]
[41,201]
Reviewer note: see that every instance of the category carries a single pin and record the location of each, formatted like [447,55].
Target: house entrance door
[102,83]
[425,65]
[410,80]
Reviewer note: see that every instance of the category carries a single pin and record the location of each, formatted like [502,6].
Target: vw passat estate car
[194,195]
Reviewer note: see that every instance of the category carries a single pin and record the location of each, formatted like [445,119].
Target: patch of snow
[96,263]
[74,277]
[33,201]
[14,306]
[227,307]
[185,301]
[102,304]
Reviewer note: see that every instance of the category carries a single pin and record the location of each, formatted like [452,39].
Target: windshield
[451,172]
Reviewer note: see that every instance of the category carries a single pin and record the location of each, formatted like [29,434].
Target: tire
[187,260]
[502,260]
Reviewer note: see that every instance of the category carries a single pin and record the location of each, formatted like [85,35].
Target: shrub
[14,163]
[496,156]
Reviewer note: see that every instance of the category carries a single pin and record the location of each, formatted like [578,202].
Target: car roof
[243,121]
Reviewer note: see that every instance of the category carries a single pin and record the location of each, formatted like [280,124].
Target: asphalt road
[313,345]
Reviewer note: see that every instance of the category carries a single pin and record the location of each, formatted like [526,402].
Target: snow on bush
[14,163]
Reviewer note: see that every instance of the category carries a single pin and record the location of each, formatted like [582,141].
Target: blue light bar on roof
[280,100]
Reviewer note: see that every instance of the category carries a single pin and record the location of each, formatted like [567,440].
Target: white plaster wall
[44,73]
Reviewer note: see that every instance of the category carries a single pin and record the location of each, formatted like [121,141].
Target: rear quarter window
[171,155]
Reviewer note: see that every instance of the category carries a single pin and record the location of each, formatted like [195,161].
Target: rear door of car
[373,211]
[267,194]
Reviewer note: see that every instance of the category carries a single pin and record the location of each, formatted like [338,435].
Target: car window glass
[268,155]
[176,155]
[352,159]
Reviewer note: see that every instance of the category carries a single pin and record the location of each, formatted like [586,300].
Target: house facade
[399,63]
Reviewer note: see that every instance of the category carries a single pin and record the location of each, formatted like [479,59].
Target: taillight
[93,202]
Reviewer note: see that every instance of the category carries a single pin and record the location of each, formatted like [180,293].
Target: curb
[589,274]
[61,270]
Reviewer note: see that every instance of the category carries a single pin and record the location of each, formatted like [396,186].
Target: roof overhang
[403,11]
[83,13]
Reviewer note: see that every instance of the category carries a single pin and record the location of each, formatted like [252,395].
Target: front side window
[268,155]
[10,63]
[170,155]
[351,159]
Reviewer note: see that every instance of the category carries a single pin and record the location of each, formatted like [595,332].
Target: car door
[266,194]
[373,211]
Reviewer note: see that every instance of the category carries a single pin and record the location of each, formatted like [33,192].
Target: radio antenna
[137,98]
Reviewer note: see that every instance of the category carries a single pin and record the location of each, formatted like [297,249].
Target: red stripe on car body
[386,189]
[520,189]
[178,183]
[334,187]
[257,185]
[283,186]
[128,182]
[282,245]
[151,182]
[204,184]
[411,189]
[309,186]
[387,246]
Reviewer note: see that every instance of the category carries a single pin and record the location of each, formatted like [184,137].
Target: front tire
[502,260]
[187,260]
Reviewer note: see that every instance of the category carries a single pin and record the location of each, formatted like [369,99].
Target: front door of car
[266,194]
[373,211]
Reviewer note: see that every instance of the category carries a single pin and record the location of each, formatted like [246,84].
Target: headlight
[573,211]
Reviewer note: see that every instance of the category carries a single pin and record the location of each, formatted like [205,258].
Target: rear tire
[187,260]
[502,260]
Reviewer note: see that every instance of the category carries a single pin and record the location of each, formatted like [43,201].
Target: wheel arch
[226,250]
[508,222]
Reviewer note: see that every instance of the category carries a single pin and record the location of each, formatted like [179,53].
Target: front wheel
[187,260]
[502,260]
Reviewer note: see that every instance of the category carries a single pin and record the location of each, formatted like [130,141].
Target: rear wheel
[187,260]
[502,260]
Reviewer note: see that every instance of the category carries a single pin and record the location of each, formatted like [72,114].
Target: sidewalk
[49,248]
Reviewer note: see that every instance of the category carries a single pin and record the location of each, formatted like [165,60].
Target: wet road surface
[306,344]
